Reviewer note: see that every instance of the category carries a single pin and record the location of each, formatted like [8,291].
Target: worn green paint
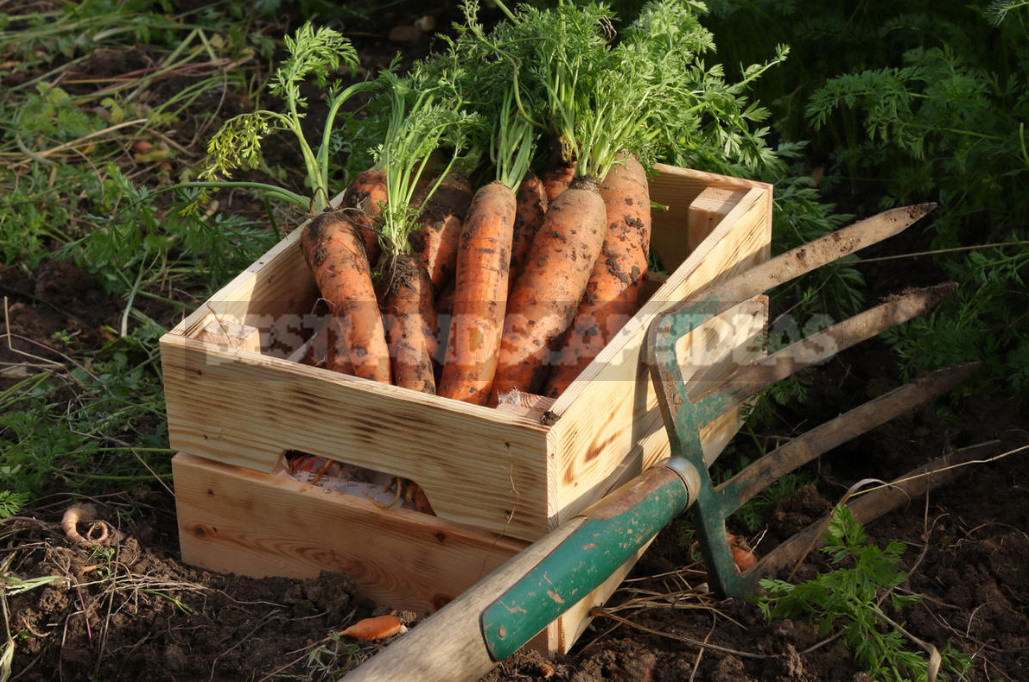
[575,568]
[683,419]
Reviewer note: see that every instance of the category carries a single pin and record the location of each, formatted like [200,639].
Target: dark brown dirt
[132,610]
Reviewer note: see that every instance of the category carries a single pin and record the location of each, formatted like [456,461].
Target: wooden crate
[497,478]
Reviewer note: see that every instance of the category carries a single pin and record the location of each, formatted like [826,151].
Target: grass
[89,146]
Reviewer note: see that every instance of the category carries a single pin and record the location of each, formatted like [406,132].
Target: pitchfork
[490,621]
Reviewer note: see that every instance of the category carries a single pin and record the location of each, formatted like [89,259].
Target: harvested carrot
[375,628]
[547,293]
[410,321]
[435,240]
[484,255]
[335,254]
[365,195]
[531,207]
[612,294]
[560,170]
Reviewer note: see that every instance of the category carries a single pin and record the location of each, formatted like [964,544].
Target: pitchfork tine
[804,448]
[819,347]
[815,254]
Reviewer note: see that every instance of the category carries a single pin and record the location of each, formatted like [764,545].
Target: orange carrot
[375,628]
[335,254]
[531,207]
[435,241]
[484,256]
[743,558]
[547,293]
[560,171]
[612,293]
[365,194]
[410,320]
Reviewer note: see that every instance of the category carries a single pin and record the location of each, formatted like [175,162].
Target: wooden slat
[706,211]
[237,521]
[677,188]
[231,335]
[477,466]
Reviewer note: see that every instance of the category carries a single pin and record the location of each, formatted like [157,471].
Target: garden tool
[505,610]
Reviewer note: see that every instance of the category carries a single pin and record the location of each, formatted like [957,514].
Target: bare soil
[130,609]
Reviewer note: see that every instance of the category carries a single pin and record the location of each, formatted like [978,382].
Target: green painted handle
[615,528]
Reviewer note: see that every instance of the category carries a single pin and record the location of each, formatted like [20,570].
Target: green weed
[93,426]
[850,597]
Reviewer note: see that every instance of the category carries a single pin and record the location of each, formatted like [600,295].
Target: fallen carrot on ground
[744,558]
[83,513]
[375,628]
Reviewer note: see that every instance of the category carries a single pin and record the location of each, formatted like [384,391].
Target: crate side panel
[275,294]
[239,521]
[612,405]
[477,466]
[677,188]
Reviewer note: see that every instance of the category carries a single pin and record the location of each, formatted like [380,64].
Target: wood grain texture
[476,465]
[706,211]
[239,521]
[229,334]
[676,188]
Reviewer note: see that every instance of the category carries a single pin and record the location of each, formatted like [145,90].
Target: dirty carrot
[483,262]
[557,176]
[435,240]
[480,295]
[378,627]
[365,196]
[743,558]
[335,254]
[612,293]
[410,320]
[547,293]
[531,207]
[419,120]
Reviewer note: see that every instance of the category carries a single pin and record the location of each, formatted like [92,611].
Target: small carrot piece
[410,321]
[375,628]
[365,194]
[435,241]
[547,293]
[480,295]
[612,294]
[335,254]
[531,207]
[742,557]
